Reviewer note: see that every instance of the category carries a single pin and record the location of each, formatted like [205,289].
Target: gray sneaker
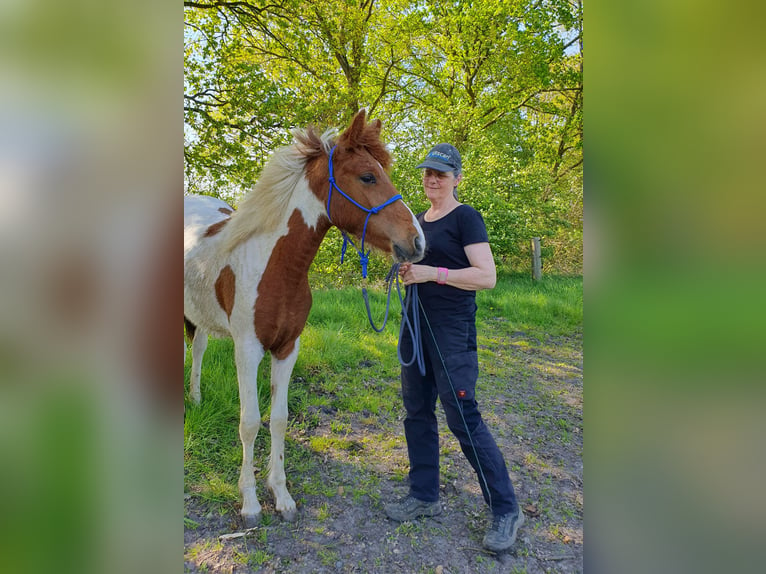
[410,508]
[502,534]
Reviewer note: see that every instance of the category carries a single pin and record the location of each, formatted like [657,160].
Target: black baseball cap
[443,157]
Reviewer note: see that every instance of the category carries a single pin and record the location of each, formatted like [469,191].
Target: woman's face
[439,184]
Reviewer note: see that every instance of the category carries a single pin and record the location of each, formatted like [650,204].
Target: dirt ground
[530,394]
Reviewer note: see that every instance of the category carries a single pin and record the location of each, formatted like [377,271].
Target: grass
[552,306]
[350,373]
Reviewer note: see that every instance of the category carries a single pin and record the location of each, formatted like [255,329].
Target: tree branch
[568,169]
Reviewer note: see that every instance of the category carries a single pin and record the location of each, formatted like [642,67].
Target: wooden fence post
[537,267]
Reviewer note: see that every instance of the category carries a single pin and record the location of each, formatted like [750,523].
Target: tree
[501,80]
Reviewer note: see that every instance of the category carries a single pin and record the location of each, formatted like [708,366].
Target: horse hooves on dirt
[290,515]
[251,520]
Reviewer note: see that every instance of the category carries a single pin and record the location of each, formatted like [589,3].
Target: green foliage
[500,80]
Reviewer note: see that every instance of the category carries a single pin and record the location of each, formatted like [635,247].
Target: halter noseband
[363,257]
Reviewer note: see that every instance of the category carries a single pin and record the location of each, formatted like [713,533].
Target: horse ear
[353,134]
[375,127]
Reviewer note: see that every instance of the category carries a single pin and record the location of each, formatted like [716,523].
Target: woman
[458,263]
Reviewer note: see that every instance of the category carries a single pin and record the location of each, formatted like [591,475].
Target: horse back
[208,296]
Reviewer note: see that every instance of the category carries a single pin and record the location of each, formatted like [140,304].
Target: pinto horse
[246,271]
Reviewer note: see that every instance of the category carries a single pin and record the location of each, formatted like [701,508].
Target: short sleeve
[472,227]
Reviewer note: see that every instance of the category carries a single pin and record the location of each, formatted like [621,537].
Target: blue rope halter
[364,258]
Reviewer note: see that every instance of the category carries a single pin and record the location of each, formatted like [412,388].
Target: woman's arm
[480,275]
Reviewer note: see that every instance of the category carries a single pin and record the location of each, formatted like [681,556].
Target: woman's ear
[458,179]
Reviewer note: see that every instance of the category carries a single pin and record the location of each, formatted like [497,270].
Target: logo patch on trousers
[461,393]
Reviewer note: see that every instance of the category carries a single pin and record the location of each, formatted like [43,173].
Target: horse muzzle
[411,252]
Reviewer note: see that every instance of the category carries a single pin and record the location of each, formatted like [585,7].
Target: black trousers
[455,349]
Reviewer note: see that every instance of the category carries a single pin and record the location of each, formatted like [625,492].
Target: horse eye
[367,178]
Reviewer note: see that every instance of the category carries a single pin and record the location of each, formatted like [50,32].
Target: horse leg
[280,379]
[199,345]
[248,354]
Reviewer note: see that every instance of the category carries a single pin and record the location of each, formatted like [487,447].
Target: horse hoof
[251,520]
[290,515]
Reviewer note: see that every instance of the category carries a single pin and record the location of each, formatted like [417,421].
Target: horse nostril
[404,252]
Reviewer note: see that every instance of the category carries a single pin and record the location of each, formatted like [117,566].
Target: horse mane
[264,206]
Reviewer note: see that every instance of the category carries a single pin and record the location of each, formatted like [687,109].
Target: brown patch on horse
[225,210]
[224,289]
[284,295]
[216,227]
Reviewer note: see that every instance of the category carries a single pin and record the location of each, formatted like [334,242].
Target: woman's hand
[480,275]
[412,273]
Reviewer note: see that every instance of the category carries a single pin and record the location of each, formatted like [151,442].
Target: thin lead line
[460,408]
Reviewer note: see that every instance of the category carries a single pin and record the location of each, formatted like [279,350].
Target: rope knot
[364,258]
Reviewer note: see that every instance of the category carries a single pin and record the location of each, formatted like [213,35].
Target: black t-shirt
[446,239]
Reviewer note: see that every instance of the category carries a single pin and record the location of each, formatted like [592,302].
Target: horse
[246,271]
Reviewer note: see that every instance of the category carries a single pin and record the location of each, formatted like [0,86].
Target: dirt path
[342,468]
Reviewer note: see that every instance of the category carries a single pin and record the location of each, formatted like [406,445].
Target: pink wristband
[439,271]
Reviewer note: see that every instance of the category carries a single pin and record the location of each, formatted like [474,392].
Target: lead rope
[413,326]
[393,273]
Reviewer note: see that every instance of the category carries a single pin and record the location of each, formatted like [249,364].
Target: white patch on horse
[277,482]
[416,223]
[200,212]
[310,207]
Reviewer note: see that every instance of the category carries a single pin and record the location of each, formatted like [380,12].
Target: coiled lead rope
[412,326]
